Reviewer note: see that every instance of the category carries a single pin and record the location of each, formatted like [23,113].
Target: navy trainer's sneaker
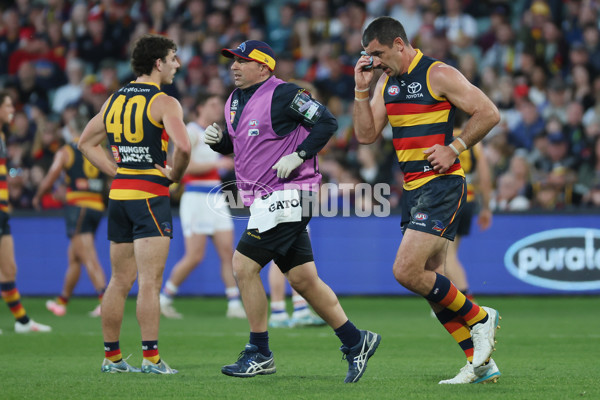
[250,363]
[358,355]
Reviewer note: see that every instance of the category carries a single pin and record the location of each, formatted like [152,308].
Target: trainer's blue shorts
[81,220]
[433,208]
[135,219]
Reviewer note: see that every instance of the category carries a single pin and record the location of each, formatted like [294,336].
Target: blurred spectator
[71,92]
[460,28]
[108,76]
[589,171]
[591,40]
[504,54]
[467,64]
[578,56]
[9,37]
[558,97]
[592,198]
[574,131]
[499,16]
[556,188]
[118,21]
[408,12]
[506,197]
[369,168]
[318,28]
[194,22]
[97,44]
[571,25]
[20,193]
[521,170]
[441,48]
[34,47]
[30,92]
[76,26]
[530,125]
[557,152]
[537,89]
[46,142]
[281,29]
[426,31]
[582,86]
[330,75]
[157,18]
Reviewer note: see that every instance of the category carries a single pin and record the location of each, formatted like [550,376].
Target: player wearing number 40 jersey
[139,120]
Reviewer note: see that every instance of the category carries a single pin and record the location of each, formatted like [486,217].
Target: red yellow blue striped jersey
[3,183]
[137,142]
[85,182]
[419,120]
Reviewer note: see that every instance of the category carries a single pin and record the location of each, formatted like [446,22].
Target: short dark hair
[202,97]
[385,30]
[147,50]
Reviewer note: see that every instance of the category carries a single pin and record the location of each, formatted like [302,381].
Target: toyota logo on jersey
[414,87]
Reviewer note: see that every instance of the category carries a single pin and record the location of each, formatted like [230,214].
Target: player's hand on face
[363,71]
[213,134]
[287,164]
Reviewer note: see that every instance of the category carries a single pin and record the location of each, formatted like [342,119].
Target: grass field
[548,348]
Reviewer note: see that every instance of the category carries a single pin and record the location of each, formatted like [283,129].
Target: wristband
[454,148]
[360,98]
[361,90]
[462,142]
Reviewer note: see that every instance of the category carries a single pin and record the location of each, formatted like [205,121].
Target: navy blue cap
[253,50]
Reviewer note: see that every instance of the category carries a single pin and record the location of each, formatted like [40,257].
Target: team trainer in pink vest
[275,130]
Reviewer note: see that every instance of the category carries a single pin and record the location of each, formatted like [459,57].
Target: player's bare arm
[58,163]
[90,144]
[168,110]
[369,117]
[447,82]
[484,182]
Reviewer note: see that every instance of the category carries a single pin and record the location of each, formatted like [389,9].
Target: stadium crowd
[538,60]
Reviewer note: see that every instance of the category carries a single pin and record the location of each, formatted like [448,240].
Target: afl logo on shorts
[393,90]
[421,216]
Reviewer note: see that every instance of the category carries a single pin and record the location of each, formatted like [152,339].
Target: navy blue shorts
[4,225]
[433,208]
[287,244]
[135,219]
[81,220]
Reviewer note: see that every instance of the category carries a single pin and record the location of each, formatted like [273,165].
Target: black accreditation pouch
[306,106]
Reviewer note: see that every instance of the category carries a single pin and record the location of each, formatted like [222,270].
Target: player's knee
[195,258]
[123,282]
[402,274]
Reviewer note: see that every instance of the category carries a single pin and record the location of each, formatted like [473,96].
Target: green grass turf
[548,348]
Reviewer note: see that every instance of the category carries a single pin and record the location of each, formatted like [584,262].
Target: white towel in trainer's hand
[280,206]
